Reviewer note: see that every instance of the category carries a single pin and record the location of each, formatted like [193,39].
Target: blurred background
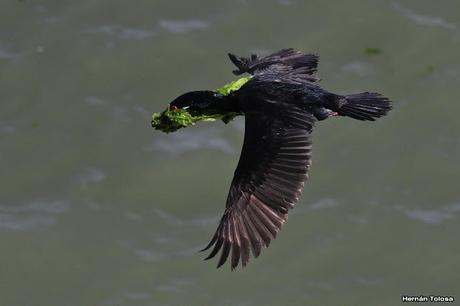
[97,208]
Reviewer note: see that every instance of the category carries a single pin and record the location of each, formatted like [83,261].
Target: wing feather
[299,65]
[268,181]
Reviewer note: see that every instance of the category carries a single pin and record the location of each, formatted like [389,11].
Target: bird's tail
[364,106]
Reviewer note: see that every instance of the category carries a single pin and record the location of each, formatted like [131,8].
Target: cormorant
[281,101]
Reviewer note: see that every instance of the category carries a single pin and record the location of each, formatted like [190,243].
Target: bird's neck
[216,104]
[222,101]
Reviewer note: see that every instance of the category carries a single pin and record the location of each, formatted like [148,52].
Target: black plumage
[281,103]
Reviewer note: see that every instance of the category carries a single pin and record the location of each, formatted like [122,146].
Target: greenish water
[96,208]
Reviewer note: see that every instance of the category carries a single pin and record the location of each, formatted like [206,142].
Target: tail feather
[365,106]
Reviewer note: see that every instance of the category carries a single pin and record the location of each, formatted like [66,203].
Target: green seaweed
[233,86]
[171,120]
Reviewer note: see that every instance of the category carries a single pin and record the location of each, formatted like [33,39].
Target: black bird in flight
[281,101]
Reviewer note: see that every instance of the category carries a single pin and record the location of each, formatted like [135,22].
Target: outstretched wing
[288,61]
[268,181]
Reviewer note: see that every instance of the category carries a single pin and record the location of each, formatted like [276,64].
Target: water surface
[96,208]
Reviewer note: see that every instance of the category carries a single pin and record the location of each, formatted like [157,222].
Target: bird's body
[281,102]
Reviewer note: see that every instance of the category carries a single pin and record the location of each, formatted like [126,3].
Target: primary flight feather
[281,101]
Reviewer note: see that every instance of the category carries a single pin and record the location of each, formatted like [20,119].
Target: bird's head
[195,102]
[188,109]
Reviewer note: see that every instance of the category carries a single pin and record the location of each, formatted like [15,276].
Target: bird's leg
[322,113]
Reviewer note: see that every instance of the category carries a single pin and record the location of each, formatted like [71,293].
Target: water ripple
[174,285]
[423,19]
[127,296]
[182,26]
[192,140]
[6,54]
[432,216]
[150,255]
[120,31]
[324,203]
[284,2]
[12,223]
[359,68]
[96,101]
[7,129]
[31,215]
[91,176]
[176,221]
[39,206]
